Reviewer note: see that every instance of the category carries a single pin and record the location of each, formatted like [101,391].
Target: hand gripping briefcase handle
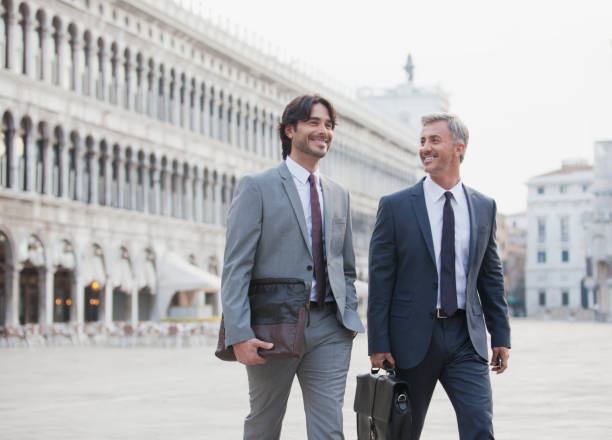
[279,311]
[382,405]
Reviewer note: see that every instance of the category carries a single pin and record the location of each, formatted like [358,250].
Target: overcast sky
[532,79]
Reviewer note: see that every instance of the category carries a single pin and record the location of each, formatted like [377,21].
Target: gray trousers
[452,360]
[321,371]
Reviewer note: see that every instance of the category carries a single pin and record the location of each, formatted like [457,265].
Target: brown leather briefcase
[279,312]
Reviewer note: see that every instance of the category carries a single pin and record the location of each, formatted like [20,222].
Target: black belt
[315,305]
[441,315]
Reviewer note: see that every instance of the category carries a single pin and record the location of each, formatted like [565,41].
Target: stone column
[128,90]
[145,186]
[223,122]
[79,155]
[194,114]
[45,54]
[108,178]
[187,122]
[12,63]
[152,93]
[197,196]
[61,58]
[206,114]
[30,160]
[250,129]
[77,63]
[162,98]
[155,207]
[78,299]
[106,75]
[63,169]
[142,90]
[107,315]
[134,305]
[240,139]
[12,309]
[187,212]
[234,125]
[174,101]
[209,216]
[47,166]
[46,290]
[218,208]
[121,179]
[29,44]
[167,193]
[88,87]
[134,182]
[215,116]
[93,176]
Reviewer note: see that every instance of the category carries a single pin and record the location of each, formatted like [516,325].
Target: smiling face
[439,154]
[311,139]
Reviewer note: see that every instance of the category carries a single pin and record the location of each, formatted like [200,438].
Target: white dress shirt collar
[299,172]
[435,192]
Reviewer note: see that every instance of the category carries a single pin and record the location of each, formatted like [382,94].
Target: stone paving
[559,386]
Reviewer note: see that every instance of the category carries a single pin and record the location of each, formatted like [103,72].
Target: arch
[7,134]
[24,155]
[23,45]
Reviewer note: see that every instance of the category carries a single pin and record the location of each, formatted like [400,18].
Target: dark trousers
[452,360]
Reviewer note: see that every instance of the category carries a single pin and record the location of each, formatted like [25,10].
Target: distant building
[557,205]
[406,102]
[515,252]
[598,283]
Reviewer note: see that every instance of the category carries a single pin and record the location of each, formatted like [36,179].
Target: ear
[460,148]
[289,130]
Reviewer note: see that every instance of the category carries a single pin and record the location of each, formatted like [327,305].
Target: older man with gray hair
[436,285]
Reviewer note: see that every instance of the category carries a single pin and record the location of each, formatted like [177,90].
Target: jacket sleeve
[244,222]
[382,272]
[490,285]
[348,256]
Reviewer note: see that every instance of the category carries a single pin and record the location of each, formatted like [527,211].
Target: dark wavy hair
[299,110]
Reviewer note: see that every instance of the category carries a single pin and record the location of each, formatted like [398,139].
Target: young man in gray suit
[291,222]
[435,281]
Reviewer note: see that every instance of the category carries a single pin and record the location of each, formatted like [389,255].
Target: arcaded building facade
[124,129]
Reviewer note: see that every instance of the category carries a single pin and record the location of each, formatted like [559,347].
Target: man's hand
[246,351]
[377,360]
[502,353]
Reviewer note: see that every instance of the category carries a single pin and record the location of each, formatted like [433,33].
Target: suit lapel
[296,204]
[327,212]
[470,197]
[420,211]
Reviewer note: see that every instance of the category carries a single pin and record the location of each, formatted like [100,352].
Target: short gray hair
[457,128]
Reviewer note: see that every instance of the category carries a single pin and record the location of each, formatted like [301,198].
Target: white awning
[177,274]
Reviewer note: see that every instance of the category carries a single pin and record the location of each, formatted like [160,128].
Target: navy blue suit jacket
[404,280]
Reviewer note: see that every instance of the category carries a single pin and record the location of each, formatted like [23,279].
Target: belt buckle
[439,315]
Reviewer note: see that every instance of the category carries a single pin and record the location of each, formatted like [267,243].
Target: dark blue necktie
[448,287]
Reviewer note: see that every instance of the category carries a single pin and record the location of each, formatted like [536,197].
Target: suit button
[309,267]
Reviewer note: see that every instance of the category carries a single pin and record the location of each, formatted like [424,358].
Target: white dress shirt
[434,200]
[300,178]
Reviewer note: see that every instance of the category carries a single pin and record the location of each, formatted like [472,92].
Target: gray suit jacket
[404,279]
[267,237]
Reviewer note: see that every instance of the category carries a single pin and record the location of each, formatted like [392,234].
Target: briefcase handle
[388,368]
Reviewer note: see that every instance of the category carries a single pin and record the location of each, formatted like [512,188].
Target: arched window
[6,140]
[22,38]
[56,162]
[41,35]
